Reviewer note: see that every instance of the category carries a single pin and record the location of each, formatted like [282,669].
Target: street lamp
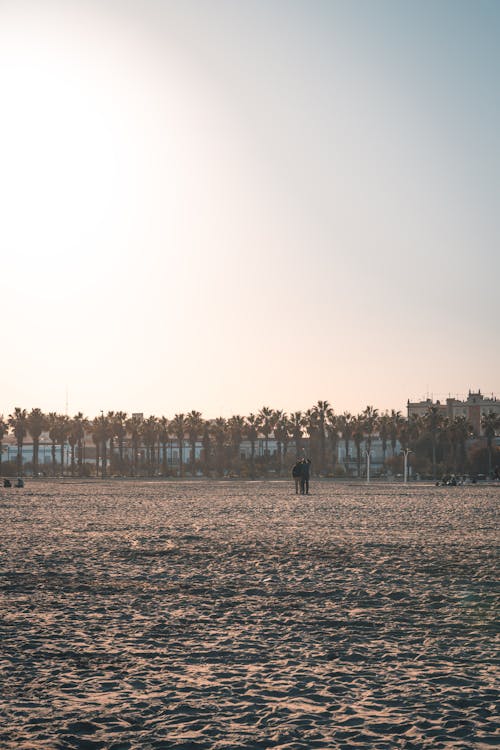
[405,452]
[368,456]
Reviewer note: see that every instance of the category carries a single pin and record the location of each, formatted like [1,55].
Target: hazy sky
[220,205]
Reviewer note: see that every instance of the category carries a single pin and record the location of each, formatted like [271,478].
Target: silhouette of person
[305,475]
[297,474]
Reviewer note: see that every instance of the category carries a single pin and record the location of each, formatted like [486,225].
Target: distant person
[20,482]
[297,474]
[305,475]
[7,483]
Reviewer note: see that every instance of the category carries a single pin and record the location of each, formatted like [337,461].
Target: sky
[220,206]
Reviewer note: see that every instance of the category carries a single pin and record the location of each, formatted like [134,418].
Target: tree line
[136,446]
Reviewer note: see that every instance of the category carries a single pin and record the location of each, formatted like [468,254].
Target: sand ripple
[238,615]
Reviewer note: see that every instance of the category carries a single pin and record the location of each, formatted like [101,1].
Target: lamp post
[104,458]
[405,452]
[368,456]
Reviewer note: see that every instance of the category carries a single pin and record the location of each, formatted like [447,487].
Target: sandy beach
[233,615]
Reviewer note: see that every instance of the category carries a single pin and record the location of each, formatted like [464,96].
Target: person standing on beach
[297,475]
[304,477]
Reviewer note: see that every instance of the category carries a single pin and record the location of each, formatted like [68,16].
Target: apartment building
[473,407]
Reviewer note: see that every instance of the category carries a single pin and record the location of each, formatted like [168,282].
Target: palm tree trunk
[135,457]
[164,459]
[298,444]
[80,457]
[181,467]
[120,452]
[35,457]
[20,458]
[193,457]
[334,454]
[111,454]
[104,459]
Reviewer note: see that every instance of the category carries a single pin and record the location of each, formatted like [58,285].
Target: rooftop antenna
[66,400]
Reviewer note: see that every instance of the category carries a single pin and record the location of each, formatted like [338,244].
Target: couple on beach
[301,472]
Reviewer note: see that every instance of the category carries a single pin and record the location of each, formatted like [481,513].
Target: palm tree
[281,426]
[358,434]
[369,418]
[194,424]
[252,432]
[97,440]
[18,422]
[149,436]
[445,444]
[36,424]
[490,424]
[163,434]
[77,435]
[72,440]
[311,423]
[63,430]
[433,420]
[219,432]
[134,427]
[332,431]
[52,423]
[345,425]
[286,436]
[207,446]
[178,426]
[119,426]
[415,429]
[460,429]
[404,434]
[409,432]
[100,436]
[110,416]
[296,426]
[266,420]
[383,431]
[395,421]
[321,410]
[4,428]
[236,425]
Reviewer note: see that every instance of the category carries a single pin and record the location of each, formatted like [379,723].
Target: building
[473,408]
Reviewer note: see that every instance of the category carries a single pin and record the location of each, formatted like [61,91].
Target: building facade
[473,408]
